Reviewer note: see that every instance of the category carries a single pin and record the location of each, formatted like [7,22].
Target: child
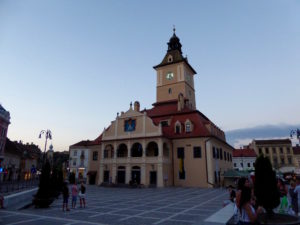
[65,197]
[74,195]
[82,195]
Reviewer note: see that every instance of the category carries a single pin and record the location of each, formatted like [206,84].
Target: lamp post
[296,133]
[48,135]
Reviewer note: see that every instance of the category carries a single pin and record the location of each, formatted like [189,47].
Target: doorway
[106,176]
[153,178]
[136,175]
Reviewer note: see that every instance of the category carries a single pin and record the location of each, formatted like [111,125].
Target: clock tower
[175,75]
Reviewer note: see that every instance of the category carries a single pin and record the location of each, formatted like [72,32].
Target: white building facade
[78,162]
[243,159]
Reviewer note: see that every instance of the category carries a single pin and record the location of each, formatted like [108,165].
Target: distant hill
[244,136]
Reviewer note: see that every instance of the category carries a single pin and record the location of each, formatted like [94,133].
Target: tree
[265,185]
[44,196]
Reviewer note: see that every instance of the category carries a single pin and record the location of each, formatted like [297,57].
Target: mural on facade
[129,125]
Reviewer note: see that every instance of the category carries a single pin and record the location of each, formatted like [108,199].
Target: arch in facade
[109,151]
[137,150]
[152,149]
[122,151]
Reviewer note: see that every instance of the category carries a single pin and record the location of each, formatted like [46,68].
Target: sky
[70,66]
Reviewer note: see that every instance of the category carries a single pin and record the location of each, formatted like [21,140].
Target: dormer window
[170,58]
[177,127]
[188,126]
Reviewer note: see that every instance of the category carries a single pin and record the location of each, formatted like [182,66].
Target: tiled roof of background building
[272,142]
[248,152]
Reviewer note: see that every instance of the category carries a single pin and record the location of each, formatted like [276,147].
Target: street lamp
[48,134]
[295,133]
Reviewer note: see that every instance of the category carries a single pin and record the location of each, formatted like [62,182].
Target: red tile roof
[246,152]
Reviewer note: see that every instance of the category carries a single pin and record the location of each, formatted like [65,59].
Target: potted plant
[267,194]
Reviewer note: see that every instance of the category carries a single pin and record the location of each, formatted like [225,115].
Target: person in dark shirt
[65,196]
[231,193]
[82,195]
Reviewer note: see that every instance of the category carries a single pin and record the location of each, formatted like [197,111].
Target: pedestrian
[248,215]
[1,201]
[82,195]
[283,190]
[65,196]
[293,197]
[297,190]
[74,195]
[232,194]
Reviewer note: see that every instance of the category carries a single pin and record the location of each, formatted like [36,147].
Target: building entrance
[136,175]
[153,178]
[106,176]
[121,175]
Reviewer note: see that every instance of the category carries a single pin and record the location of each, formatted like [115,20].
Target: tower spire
[174,29]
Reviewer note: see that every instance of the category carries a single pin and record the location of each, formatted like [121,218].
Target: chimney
[136,106]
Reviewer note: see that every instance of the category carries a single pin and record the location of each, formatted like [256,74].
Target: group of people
[75,192]
[246,209]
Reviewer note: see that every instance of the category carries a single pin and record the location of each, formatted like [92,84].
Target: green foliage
[265,186]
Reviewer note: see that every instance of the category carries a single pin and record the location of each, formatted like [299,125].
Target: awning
[92,172]
[236,173]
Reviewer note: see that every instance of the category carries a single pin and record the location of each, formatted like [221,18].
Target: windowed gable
[188,126]
[177,127]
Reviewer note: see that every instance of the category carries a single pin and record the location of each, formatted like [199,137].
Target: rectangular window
[221,153]
[74,162]
[218,154]
[225,158]
[214,152]
[248,165]
[180,153]
[275,161]
[164,123]
[75,153]
[105,153]
[290,160]
[281,151]
[267,150]
[274,150]
[259,151]
[95,155]
[288,150]
[234,164]
[282,160]
[197,152]
[242,165]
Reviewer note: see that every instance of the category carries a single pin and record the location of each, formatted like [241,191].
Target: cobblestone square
[124,206]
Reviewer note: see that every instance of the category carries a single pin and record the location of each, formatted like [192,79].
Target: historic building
[171,144]
[4,122]
[279,151]
[243,159]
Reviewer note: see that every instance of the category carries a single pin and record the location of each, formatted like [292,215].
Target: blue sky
[70,66]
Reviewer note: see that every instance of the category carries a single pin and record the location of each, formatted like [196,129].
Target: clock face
[169,75]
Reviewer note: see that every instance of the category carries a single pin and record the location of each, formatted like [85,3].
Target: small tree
[43,198]
[265,185]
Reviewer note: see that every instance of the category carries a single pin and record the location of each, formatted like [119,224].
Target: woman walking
[82,195]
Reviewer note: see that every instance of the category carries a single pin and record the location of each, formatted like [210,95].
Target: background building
[4,122]
[278,150]
[243,159]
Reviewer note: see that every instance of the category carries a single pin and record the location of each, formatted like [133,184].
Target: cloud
[241,137]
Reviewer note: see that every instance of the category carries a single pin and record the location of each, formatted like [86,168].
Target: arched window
[177,127]
[108,151]
[188,126]
[136,150]
[152,149]
[122,151]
